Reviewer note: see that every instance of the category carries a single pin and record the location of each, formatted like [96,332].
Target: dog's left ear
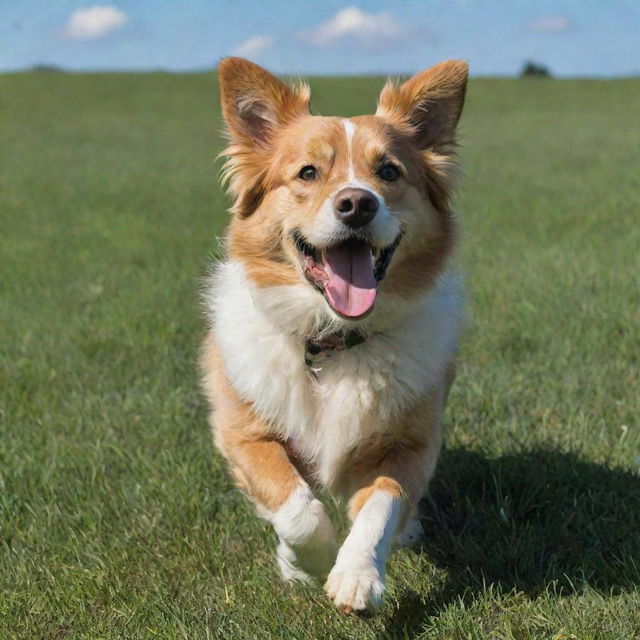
[255,103]
[429,104]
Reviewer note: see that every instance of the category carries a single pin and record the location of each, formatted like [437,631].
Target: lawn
[117,519]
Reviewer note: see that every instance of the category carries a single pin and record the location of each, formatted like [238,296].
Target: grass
[117,519]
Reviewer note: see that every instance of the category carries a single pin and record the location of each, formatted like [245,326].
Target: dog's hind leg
[411,533]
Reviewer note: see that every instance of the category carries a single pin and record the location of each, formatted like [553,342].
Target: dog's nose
[355,207]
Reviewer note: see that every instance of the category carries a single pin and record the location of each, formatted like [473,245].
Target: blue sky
[572,37]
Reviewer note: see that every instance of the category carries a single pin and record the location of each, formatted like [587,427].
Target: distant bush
[47,68]
[534,69]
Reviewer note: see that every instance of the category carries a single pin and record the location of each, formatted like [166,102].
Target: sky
[327,37]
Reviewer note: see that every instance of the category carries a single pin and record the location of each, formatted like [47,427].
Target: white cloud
[253,46]
[550,23]
[94,22]
[352,25]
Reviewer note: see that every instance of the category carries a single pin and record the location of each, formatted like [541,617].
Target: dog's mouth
[347,274]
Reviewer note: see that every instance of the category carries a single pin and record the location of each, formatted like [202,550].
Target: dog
[334,316]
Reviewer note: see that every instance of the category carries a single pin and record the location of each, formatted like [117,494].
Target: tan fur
[251,95]
[429,104]
[402,460]
[259,463]
[391,486]
[270,201]
[260,239]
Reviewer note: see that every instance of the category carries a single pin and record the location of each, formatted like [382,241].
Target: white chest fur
[356,392]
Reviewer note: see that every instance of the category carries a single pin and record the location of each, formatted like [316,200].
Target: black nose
[355,207]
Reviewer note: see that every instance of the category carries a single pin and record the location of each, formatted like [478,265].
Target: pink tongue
[351,288]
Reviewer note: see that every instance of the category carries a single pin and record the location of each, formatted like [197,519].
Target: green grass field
[117,519]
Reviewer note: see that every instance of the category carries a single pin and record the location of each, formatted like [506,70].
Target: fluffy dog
[334,320]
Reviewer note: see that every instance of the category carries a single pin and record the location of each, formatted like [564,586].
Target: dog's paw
[303,564]
[287,563]
[355,589]
[307,544]
[413,532]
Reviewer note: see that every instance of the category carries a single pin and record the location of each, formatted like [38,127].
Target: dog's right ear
[255,103]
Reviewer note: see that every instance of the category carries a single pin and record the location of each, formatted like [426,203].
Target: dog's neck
[319,348]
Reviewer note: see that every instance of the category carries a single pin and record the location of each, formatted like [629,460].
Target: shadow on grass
[525,521]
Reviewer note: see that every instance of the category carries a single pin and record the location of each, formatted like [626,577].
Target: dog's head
[341,204]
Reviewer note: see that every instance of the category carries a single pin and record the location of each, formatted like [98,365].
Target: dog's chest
[354,394]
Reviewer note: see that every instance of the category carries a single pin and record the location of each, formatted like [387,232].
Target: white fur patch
[357,578]
[307,545]
[349,130]
[288,564]
[300,517]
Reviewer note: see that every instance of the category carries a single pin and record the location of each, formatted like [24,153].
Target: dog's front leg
[380,507]
[263,469]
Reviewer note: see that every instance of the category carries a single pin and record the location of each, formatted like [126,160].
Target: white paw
[313,560]
[412,533]
[307,546]
[286,559]
[355,589]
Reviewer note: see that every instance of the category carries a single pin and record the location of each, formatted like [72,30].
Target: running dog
[334,318]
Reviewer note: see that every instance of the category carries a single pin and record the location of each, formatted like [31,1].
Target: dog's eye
[389,172]
[308,173]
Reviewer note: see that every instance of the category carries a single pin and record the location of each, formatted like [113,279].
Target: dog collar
[316,350]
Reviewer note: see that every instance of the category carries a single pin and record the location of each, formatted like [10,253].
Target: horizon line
[54,68]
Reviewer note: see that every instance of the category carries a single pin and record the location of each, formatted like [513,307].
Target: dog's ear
[429,104]
[255,103]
